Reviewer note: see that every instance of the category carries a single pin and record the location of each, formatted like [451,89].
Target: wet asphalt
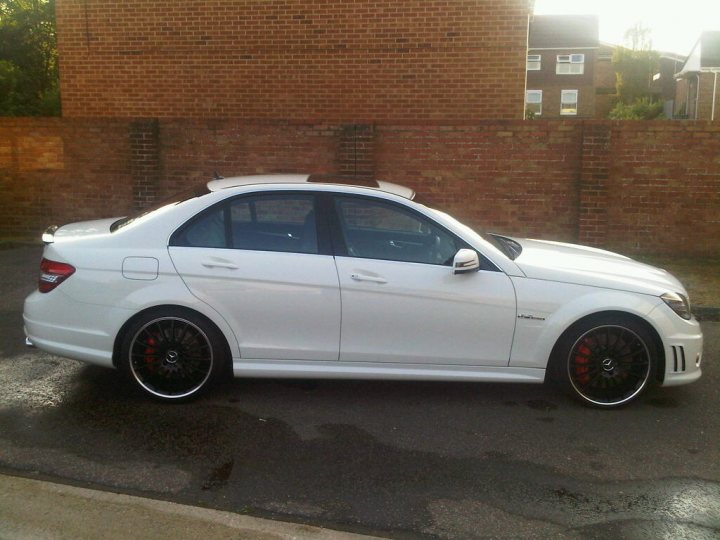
[403,460]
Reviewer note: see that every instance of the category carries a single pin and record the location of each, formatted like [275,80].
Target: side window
[274,223]
[208,230]
[282,222]
[378,230]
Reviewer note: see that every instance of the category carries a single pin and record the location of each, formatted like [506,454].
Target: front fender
[546,309]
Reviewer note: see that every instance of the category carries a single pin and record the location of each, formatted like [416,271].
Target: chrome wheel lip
[155,392]
[626,399]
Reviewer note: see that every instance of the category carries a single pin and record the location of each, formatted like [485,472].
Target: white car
[280,276]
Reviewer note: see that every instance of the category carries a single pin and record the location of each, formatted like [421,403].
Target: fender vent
[678,358]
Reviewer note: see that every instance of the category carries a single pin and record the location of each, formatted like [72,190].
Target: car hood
[557,261]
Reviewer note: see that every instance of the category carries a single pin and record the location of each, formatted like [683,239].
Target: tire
[606,361]
[173,355]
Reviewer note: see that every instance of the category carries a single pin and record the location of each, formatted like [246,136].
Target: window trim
[577,101]
[572,59]
[537,92]
[536,58]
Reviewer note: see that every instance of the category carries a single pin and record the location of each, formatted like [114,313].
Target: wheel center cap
[172,357]
[608,364]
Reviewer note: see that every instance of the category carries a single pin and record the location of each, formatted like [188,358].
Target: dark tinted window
[377,230]
[274,223]
[260,223]
[207,231]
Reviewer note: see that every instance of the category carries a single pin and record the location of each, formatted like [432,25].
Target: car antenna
[216,176]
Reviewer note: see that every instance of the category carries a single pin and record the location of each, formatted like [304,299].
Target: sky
[675,26]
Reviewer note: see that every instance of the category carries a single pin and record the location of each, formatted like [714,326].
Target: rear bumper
[56,324]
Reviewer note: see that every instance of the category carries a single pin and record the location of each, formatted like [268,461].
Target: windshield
[183,196]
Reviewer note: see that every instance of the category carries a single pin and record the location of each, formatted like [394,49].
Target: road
[404,460]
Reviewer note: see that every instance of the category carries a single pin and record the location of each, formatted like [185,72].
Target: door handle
[219,264]
[364,277]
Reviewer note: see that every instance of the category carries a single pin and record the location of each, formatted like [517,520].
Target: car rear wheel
[607,362]
[173,355]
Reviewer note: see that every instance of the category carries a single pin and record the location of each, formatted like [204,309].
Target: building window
[533,103]
[534,62]
[568,102]
[570,64]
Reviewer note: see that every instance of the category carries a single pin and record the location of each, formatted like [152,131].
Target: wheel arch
[159,309]
[613,313]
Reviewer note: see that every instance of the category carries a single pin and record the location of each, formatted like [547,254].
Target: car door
[401,301]
[260,261]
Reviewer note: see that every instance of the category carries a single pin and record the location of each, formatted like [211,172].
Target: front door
[401,302]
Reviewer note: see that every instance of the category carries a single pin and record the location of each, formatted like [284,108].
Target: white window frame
[535,60]
[538,93]
[564,101]
[570,64]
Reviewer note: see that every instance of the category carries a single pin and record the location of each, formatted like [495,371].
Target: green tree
[635,66]
[29,83]
[640,109]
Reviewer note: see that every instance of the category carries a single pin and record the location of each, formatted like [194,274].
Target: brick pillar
[144,161]
[592,224]
[357,151]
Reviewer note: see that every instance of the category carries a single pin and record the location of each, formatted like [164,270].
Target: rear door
[262,263]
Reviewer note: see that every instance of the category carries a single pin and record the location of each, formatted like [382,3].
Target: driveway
[406,460]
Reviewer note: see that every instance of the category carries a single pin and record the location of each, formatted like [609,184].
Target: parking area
[450,460]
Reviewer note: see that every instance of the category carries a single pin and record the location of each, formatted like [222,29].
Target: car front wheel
[172,355]
[607,361]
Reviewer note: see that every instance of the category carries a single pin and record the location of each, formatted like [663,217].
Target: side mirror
[466,261]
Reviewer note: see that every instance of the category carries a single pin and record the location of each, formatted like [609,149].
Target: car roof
[380,185]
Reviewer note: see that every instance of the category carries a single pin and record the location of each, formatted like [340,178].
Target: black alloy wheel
[608,364]
[173,357]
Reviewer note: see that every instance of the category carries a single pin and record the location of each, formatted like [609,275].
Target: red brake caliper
[581,363]
[150,350]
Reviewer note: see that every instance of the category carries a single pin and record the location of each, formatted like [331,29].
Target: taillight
[52,274]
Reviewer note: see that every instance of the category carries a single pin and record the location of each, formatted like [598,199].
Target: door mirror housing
[466,261]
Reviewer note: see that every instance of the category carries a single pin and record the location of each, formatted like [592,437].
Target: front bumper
[682,345]
[683,358]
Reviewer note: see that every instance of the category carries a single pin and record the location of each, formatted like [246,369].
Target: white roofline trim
[561,48]
[259,179]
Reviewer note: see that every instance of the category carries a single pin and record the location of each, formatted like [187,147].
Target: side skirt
[301,369]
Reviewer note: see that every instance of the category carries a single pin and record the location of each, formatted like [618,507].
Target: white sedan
[280,276]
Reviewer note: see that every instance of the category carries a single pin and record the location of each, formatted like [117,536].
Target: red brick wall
[53,171]
[708,90]
[664,187]
[366,60]
[628,186]
[514,177]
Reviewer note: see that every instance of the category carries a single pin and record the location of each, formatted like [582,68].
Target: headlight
[678,303]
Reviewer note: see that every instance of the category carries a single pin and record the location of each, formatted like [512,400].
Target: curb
[32,508]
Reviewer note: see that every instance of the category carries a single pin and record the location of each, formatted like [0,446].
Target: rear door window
[268,222]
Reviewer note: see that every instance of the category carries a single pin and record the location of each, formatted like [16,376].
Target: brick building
[360,61]
[698,82]
[562,50]
[605,80]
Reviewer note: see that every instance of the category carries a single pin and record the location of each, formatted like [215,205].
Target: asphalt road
[449,460]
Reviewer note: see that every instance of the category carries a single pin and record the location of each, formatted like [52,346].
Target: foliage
[635,66]
[640,109]
[28,58]
[634,70]
[638,38]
